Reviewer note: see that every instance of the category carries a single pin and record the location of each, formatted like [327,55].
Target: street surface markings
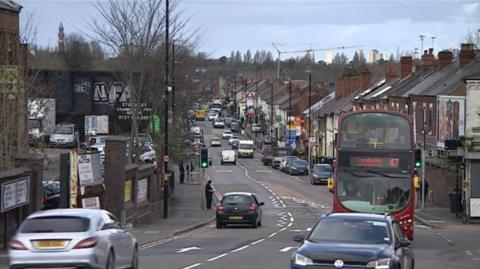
[192,266]
[273,234]
[468,253]
[240,249]
[182,250]
[217,257]
[223,171]
[256,242]
[264,171]
[287,249]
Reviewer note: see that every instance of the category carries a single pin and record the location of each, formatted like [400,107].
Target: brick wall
[441,182]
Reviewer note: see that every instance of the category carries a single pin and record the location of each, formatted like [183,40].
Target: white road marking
[291,219]
[192,266]
[240,249]
[289,214]
[282,229]
[256,242]
[264,171]
[468,253]
[182,250]
[280,224]
[290,224]
[298,231]
[272,235]
[223,171]
[218,257]
[286,249]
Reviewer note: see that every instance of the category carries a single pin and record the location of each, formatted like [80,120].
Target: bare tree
[133,32]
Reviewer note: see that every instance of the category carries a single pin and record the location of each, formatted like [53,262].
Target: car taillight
[17,245]
[87,243]
[253,207]
[220,208]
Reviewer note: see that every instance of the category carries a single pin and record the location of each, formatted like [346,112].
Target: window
[350,230]
[55,224]
[237,199]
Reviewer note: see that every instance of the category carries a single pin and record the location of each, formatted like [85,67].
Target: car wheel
[234,163]
[110,261]
[134,258]
[260,223]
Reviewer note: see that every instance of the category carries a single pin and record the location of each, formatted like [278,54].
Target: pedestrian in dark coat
[209,194]
[182,173]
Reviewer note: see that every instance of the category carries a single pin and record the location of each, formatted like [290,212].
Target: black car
[297,167]
[235,127]
[239,208]
[354,240]
[51,194]
[321,173]
[235,144]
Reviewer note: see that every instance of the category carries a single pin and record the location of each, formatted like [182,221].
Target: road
[292,206]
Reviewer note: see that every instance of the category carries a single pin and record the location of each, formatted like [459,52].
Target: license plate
[50,244]
[235,217]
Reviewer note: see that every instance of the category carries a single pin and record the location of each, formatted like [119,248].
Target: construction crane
[310,50]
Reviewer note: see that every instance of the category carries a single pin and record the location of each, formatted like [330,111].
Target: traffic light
[418,158]
[204,158]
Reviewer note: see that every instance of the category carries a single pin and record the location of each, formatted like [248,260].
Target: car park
[228,156]
[218,123]
[354,240]
[297,167]
[215,142]
[73,238]
[283,164]
[227,134]
[320,173]
[239,208]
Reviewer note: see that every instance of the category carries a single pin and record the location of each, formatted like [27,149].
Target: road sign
[166,158]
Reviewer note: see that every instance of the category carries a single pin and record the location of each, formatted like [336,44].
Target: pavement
[441,218]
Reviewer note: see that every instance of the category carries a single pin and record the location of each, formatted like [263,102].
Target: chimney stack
[364,79]
[428,59]
[390,73]
[445,58]
[467,54]
[405,66]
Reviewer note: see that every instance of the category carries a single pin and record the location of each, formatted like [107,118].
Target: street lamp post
[309,120]
[167,89]
[271,111]
[424,176]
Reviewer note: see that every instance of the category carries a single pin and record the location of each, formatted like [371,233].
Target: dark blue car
[354,241]
[321,173]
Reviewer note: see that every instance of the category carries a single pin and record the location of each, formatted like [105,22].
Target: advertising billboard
[450,118]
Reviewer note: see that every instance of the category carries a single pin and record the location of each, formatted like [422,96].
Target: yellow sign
[128,191]
[8,79]
[330,185]
[73,179]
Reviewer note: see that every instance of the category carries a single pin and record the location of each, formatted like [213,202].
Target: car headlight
[299,259]
[380,264]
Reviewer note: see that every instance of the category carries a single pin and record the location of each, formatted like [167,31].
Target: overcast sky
[298,24]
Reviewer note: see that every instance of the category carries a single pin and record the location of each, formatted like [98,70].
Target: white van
[229,156]
[245,149]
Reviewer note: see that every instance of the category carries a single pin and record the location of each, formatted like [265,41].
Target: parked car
[218,123]
[64,135]
[267,156]
[283,164]
[256,128]
[228,121]
[297,167]
[51,194]
[72,238]
[235,144]
[228,156]
[227,134]
[239,208]
[354,241]
[215,142]
[320,173]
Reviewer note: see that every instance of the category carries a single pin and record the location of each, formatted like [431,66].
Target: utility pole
[433,42]
[173,82]
[289,100]
[256,101]
[167,89]
[424,151]
[235,95]
[271,111]
[309,120]
[421,47]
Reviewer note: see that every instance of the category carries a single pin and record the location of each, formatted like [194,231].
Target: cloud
[471,8]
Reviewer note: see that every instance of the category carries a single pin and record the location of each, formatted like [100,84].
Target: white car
[228,156]
[218,123]
[227,134]
[215,142]
[64,135]
[233,138]
[256,128]
[80,238]
[212,115]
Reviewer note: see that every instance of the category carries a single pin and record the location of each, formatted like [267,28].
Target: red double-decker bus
[374,166]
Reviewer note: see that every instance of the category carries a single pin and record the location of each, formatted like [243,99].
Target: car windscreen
[322,168]
[237,199]
[63,130]
[345,230]
[300,163]
[246,146]
[55,224]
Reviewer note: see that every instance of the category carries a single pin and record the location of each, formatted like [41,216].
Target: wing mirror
[261,203]
[299,238]
[404,243]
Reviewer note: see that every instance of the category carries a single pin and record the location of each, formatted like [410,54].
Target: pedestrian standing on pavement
[182,173]
[426,191]
[209,194]
[188,172]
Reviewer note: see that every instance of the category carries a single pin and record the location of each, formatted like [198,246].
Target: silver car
[86,238]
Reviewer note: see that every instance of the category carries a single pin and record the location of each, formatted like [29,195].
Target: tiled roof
[323,102]
[451,83]
[10,5]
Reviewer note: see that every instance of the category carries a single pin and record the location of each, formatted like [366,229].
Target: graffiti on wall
[82,87]
[110,93]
